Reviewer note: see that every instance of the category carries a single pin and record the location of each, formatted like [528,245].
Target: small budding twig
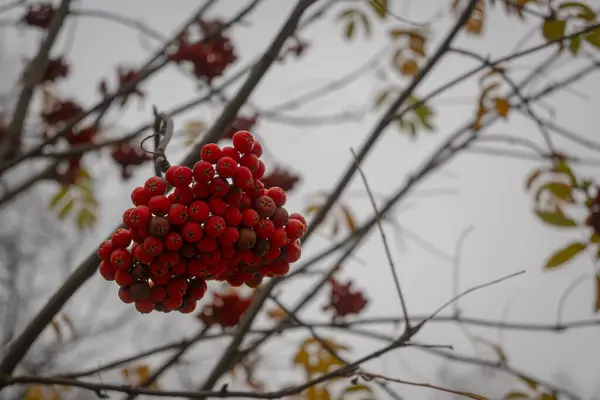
[163,132]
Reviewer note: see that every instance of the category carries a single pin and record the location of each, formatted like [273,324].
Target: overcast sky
[481,191]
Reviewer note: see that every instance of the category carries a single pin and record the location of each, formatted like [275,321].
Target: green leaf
[350,28]
[555,218]
[593,38]
[560,190]
[597,305]
[516,395]
[575,45]
[357,388]
[546,396]
[565,254]
[62,214]
[380,7]
[64,190]
[381,98]
[529,382]
[554,29]
[347,13]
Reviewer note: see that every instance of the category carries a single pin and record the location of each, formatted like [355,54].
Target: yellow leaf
[565,254]
[409,68]
[193,130]
[502,106]
[302,358]
[380,7]
[57,330]
[277,314]
[515,395]
[34,392]
[554,29]
[313,208]
[595,238]
[349,218]
[143,372]
[417,44]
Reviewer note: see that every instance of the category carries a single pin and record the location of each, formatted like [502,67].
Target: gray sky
[488,191]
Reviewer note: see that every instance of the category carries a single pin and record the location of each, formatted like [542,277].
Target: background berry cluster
[220,223]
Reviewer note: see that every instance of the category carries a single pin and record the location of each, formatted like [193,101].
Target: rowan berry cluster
[209,56]
[345,300]
[225,310]
[39,15]
[220,223]
[593,219]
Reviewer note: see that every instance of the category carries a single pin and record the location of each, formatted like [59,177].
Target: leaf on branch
[597,305]
[515,395]
[529,382]
[193,130]
[382,98]
[554,29]
[555,218]
[277,314]
[380,7]
[57,331]
[593,38]
[565,254]
[560,190]
[349,31]
[547,396]
[61,194]
[575,45]
[502,106]
[356,389]
[66,209]
[595,238]
[349,218]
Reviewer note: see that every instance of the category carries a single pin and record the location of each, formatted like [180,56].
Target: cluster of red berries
[225,310]
[593,219]
[56,68]
[220,223]
[345,300]
[39,15]
[127,155]
[209,56]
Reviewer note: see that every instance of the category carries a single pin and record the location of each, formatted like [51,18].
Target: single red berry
[180,267]
[214,226]
[280,217]
[121,259]
[211,152]
[195,268]
[273,254]
[292,252]
[125,295]
[140,217]
[265,229]
[157,293]
[141,255]
[140,196]
[229,237]
[295,229]
[245,202]
[233,216]
[192,231]
[250,218]
[265,206]
[218,269]
[159,226]
[219,187]
[170,175]
[169,259]
[127,218]
[140,290]
[188,306]
[247,239]
[217,206]
[229,151]
[184,176]
[183,195]
[173,303]
[211,258]
[228,252]
[107,271]
[207,244]
[177,287]
[160,279]
[258,149]
[280,238]
[299,217]
[199,211]
[197,288]
[260,171]
[173,241]
[280,268]
[203,171]
[257,189]
[201,190]
[250,161]
[278,195]
[156,186]
[159,205]
[105,250]
[243,178]
[144,306]
[243,141]
[178,214]
[123,278]
[226,167]
[153,245]
[159,269]
[121,239]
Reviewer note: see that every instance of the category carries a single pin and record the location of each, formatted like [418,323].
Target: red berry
[156,186]
[180,267]
[257,189]
[230,236]
[159,205]
[177,287]
[125,295]
[178,214]
[105,250]
[197,289]
[228,252]
[169,259]
[140,196]
[182,176]
[260,171]
[121,239]
[159,226]
[144,306]
[211,152]
[160,279]
[233,216]
[295,229]
[141,255]
[217,206]
[299,217]
[153,245]
[247,239]
[172,303]
[107,271]
[250,161]
[140,217]
[226,167]
[195,268]
[265,206]
[188,307]
[140,291]
[127,218]
[273,254]
[280,238]
[229,151]
[157,293]
[280,217]
[243,141]
[201,190]
[121,259]
[207,244]
[280,268]
[123,278]
[278,195]
[192,231]
[211,258]
[243,178]
[173,241]
[250,218]
[245,202]
[219,187]
[199,211]
[292,253]
[265,229]
[182,195]
[214,226]
[203,171]
[157,268]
